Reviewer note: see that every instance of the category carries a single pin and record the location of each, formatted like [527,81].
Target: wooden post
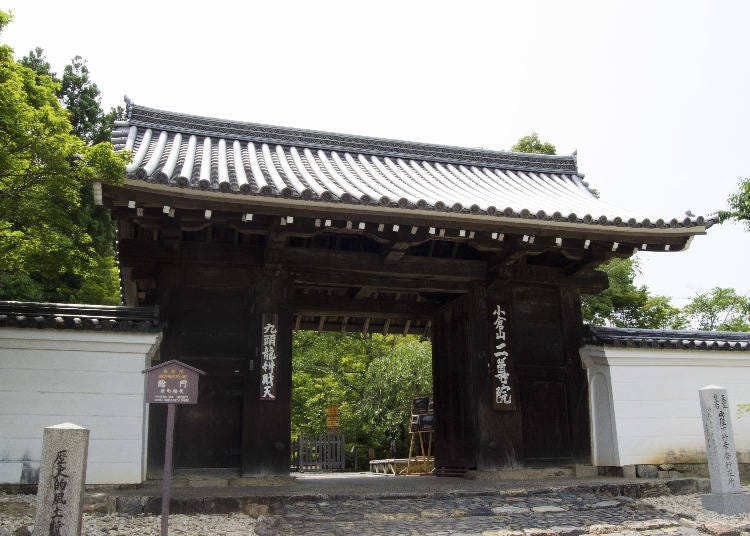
[167,479]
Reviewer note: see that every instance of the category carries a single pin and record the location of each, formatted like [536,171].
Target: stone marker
[62,475]
[726,495]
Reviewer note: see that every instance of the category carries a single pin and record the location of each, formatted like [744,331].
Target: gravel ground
[689,507]
[17,511]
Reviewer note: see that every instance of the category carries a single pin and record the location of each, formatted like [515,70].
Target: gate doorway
[371,379]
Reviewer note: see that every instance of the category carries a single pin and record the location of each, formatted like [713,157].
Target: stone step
[549,514]
[219,501]
[375,525]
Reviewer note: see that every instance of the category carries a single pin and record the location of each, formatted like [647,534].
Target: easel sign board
[172,382]
[422,405]
[422,423]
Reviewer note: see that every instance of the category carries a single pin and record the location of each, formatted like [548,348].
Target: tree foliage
[739,205]
[371,378]
[532,144]
[624,304]
[46,250]
[720,309]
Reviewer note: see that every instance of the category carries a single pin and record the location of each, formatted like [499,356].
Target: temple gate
[240,232]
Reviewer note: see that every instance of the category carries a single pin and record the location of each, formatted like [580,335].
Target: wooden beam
[396,252]
[450,269]
[407,326]
[362,293]
[318,304]
[138,252]
[383,282]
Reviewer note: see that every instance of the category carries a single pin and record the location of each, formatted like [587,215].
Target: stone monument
[62,476]
[726,495]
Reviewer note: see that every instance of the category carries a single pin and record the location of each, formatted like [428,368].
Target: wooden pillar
[472,433]
[499,410]
[453,390]
[509,387]
[578,389]
[266,422]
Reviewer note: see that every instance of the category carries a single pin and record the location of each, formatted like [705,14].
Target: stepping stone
[509,510]
[604,528]
[650,524]
[568,530]
[604,504]
[539,532]
[547,508]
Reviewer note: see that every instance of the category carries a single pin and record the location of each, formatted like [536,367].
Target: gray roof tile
[251,159]
[667,339]
[15,314]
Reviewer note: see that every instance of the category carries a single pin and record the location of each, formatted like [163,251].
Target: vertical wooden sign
[269,356]
[503,397]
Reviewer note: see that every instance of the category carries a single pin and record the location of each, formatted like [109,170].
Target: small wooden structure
[324,452]
[225,225]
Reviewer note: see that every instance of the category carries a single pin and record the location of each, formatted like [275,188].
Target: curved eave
[191,198]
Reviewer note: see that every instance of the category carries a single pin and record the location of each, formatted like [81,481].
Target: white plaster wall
[654,403]
[90,378]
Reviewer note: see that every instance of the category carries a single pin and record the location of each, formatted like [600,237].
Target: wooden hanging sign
[503,397]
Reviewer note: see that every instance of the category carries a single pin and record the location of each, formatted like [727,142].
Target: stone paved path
[545,514]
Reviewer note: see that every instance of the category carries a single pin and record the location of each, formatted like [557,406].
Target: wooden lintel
[137,252]
[384,282]
[591,281]
[322,305]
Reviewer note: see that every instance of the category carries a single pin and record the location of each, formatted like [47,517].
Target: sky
[654,96]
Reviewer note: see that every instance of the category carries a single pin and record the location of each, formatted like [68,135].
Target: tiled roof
[255,160]
[668,339]
[15,314]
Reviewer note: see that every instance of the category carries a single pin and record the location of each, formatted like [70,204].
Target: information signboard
[172,382]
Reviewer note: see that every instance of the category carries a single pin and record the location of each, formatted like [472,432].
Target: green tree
[371,378]
[45,252]
[624,304]
[739,205]
[532,144]
[81,97]
[720,309]
[37,61]
[82,100]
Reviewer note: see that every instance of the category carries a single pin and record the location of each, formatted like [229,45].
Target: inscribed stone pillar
[62,476]
[725,496]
